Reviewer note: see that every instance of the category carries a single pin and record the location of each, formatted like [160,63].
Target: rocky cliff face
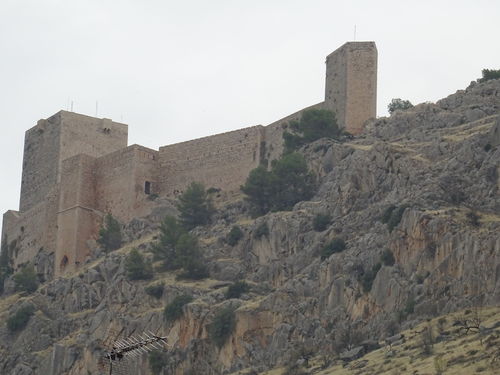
[438,165]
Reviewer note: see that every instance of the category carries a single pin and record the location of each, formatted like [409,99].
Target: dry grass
[359,147]
[460,354]
[465,131]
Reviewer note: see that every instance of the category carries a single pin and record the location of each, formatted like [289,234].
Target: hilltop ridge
[436,167]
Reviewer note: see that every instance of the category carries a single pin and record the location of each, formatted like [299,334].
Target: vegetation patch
[20,318]
[367,278]
[489,74]
[261,230]
[392,216]
[174,309]
[155,290]
[398,104]
[313,125]
[137,267]
[321,222]
[157,361]
[26,280]
[177,248]
[234,235]
[236,289]
[287,183]
[110,234]
[387,258]
[222,326]
[195,206]
[337,245]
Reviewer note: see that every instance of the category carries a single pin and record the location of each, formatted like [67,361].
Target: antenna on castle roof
[96,107]
[72,106]
[354,32]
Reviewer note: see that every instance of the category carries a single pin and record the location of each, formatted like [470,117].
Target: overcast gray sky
[177,70]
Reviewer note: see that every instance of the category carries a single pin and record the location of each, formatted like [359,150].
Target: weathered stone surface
[429,159]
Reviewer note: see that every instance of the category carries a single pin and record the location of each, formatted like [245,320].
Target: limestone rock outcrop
[437,165]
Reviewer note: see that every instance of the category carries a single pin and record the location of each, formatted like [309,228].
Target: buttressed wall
[77,168]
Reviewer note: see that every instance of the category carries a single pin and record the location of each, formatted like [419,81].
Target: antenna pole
[354,32]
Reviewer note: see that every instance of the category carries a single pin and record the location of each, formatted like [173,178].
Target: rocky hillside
[416,200]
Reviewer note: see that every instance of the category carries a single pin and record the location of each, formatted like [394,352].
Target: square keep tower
[351,84]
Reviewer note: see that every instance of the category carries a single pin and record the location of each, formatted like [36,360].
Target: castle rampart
[77,168]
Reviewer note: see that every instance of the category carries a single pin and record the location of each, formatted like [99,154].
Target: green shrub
[234,235]
[137,267]
[387,214]
[155,290]
[489,74]
[110,234]
[213,190]
[337,245]
[20,318]
[26,280]
[194,269]
[321,222]
[195,206]
[236,289]
[177,248]
[157,361]
[368,277]
[399,104]
[313,125]
[165,249]
[174,309]
[261,230]
[279,189]
[222,326]
[387,258]
[395,218]
[473,218]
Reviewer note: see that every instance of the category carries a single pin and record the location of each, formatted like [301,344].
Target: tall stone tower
[351,84]
[60,137]
[56,196]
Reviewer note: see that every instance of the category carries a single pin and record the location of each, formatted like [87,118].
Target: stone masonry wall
[34,230]
[77,168]
[120,182]
[351,84]
[40,162]
[91,136]
[361,102]
[60,137]
[77,218]
[221,161]
[274,133]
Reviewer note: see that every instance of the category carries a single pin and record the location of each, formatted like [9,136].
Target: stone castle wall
[222,161]
[120,181]
[77,168]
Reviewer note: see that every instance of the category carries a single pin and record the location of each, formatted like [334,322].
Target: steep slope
[436,165]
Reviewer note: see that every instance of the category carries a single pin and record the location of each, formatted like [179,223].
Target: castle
[77,168]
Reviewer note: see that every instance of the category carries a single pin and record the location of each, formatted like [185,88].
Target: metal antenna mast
[127,348]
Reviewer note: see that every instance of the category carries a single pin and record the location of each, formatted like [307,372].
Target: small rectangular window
[147,187]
